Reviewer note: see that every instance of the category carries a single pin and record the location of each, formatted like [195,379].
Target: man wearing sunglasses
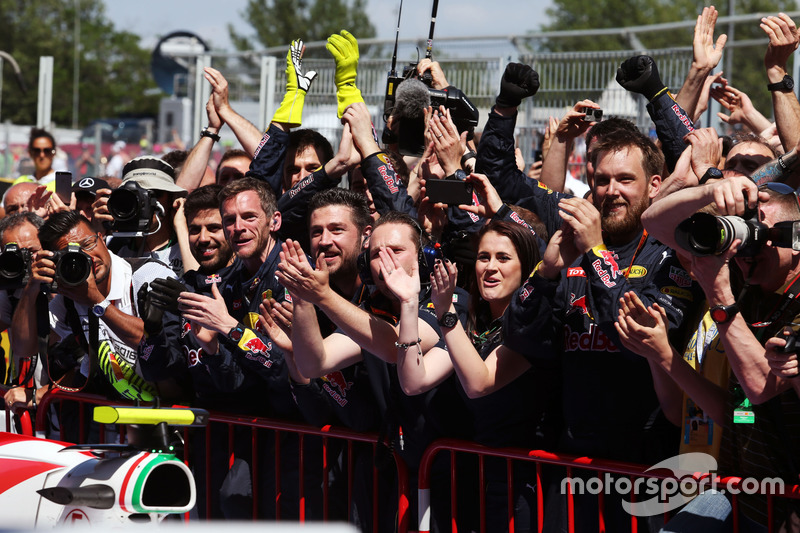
[750,296]
[97,315]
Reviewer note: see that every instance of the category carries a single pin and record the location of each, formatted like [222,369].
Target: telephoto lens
[704,234]
[14,266]
[123,204]
[73,266]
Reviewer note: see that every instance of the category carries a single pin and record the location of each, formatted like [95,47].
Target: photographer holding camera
[147,208]
[22,297]
[761,435]
[95,304]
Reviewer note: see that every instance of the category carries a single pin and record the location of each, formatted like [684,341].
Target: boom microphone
[411,100]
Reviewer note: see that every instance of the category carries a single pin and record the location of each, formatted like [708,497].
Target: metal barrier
[254,425]
[511,456]
[539,457]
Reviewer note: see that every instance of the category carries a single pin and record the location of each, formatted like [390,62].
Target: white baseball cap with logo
[151,173]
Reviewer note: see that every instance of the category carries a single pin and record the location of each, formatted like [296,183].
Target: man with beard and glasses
[610,406]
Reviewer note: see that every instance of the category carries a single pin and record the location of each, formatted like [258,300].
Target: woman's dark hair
[525,244]
[38,133]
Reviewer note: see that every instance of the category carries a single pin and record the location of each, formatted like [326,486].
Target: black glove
[461,251]
[164,293]
[519,81]
[162,296]
[639,74]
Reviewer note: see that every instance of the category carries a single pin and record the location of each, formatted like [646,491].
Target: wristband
[466,157]
[211,135]
[33,398]
[407,345]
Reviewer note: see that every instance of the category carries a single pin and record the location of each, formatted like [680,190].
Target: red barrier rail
[540,458]
[570,463]
[326,433]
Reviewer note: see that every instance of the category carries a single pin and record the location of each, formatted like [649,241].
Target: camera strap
[778,315]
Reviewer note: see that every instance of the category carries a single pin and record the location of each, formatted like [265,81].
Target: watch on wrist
[236,333]
[722,314]
[211,135]
[713,173]
[457,175]
[99,309]
[785,85]
[448,320]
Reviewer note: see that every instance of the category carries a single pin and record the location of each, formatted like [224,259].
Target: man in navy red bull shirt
[610,406]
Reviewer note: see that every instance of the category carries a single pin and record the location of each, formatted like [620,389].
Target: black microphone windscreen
[411,100]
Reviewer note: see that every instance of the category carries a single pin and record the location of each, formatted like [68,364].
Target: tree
[278,22]
[114,71]
[748,72]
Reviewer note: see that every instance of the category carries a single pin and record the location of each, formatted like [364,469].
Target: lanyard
[638,249]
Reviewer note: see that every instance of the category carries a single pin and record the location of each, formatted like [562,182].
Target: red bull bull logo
[256,346]
[577,304]
[338,380]
[336,385]
[186,327]
[610,259]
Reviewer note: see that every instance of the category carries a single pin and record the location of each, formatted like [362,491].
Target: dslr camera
[15,266]
[704,234]
[132,207]
[73,267]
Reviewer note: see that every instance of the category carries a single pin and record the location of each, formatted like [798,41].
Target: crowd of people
[643,319]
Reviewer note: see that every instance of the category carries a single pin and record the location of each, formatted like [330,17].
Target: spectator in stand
[118,160]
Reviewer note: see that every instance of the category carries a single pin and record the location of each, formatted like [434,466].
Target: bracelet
[407,345]
[781,163]
[33,398]
[213,136]
[466,157]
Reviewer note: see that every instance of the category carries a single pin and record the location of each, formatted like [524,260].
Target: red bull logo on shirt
[577,304]
[336,385]
[592,341]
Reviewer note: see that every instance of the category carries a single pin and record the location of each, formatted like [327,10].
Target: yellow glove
[290,111]
[344,49]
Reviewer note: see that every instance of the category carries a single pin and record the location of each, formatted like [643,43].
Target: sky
[151,19]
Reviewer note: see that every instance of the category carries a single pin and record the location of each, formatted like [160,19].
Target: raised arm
[729,196]
[247,134]
[784,38]
[571,126]
[706,56]
[416,371]
[193,170]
